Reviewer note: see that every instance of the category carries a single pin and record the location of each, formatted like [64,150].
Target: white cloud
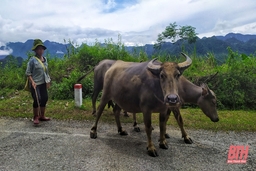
[247,28]
[138,21]
[59,52]
[6,51]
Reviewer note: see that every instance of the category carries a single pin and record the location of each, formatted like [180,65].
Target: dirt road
[66,145]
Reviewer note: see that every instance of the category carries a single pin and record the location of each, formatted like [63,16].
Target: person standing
[39,81]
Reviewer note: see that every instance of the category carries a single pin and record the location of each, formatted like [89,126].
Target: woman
[37,72]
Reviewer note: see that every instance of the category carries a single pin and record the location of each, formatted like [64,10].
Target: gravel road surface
[66,145]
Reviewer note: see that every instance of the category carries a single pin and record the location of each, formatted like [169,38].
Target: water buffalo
[188,92]
[191,93]
[153,87]
[99,73]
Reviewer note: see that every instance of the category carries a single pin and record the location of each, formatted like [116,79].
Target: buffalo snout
[215,120]
[172,98]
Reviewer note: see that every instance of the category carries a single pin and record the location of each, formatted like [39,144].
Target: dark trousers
[42,95]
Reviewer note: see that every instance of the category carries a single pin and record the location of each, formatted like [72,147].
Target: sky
[136,21]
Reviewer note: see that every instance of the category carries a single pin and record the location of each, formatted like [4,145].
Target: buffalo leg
[95,94]
[136,128]
[117,111]
[103,101]
[166,119]
[94,97]
[147,122]
[162,119]
[179,120]
[111,104]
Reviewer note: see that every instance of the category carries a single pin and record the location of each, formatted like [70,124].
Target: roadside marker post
[78,95]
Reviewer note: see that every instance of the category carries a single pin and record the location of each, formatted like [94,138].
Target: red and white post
[78,95]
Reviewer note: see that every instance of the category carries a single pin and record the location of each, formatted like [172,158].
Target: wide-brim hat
[38,42]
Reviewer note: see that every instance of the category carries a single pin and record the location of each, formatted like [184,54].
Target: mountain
[238,36]
[10,59]
[21,49]
[216,44]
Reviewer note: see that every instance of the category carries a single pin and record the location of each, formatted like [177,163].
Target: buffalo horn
[152,67]
[186,64]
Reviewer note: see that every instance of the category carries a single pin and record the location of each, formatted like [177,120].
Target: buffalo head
[169,73]
[207,102]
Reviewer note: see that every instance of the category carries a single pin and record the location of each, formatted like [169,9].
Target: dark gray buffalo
[99,74]
[199,95]
[191,93]
[152,87]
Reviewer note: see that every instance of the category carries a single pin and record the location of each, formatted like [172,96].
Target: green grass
[19,104]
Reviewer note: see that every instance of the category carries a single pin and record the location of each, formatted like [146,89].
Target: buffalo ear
[204,91]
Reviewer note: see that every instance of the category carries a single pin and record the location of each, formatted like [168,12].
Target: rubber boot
[36,116]
[42,117]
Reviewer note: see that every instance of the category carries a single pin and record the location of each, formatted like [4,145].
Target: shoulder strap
[40,62]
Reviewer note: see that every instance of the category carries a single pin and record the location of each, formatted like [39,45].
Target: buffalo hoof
[126,114]
[188,141]
[93,134]
[136,129]
[167,136]
[123,133]
[152,153]
[163,146]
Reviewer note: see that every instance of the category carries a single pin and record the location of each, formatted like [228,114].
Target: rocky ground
[66,145]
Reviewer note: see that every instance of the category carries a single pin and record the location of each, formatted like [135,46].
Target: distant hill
[16,61]
[21,49]
[238,36]
[216,44]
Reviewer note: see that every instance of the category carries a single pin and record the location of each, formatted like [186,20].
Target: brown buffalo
[188,92]
[153,87]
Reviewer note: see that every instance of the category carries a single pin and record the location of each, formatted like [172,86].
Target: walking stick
[38,102]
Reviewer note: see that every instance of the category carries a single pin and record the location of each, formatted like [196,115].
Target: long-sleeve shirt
[36,70]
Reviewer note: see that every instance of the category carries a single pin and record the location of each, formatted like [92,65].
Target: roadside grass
[18,104]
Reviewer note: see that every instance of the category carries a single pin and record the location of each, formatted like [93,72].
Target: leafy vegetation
[234,84]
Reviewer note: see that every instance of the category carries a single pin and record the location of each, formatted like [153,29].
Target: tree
[185,33]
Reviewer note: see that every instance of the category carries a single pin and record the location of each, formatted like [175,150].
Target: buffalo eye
[177,76]
[162,76]
[214,102]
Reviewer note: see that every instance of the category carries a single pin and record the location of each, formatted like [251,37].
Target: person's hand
[48,85]
[33,84]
